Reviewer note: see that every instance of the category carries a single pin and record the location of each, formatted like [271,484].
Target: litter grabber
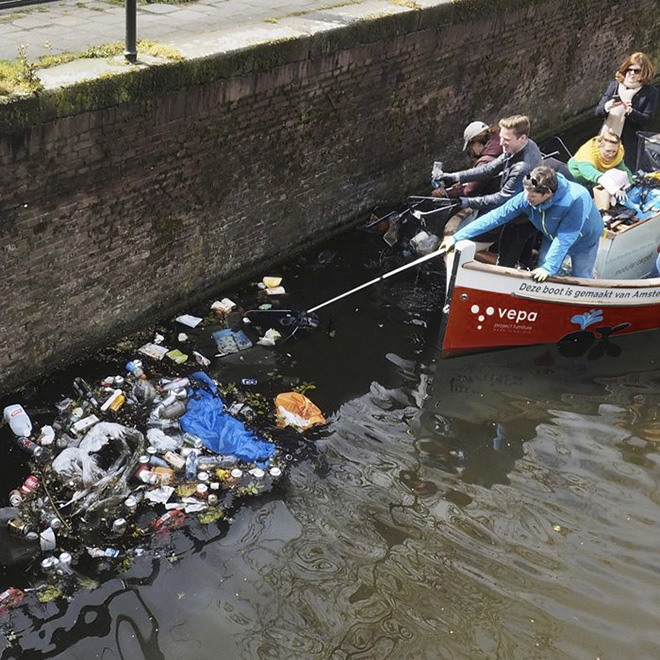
[437,204]
[308,319]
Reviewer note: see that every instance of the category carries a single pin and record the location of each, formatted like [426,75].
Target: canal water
[493,506]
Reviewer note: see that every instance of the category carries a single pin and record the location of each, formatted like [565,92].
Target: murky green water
[499,506]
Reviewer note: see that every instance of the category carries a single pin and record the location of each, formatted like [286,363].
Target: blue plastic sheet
[219,431]
[644,201]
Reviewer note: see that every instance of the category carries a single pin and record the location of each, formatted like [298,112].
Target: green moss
[20,76]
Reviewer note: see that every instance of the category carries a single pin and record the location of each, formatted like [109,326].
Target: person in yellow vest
[597,156]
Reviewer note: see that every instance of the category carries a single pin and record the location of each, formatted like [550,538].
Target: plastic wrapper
[294,409]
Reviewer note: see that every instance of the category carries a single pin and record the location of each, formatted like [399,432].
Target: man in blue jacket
[563,211]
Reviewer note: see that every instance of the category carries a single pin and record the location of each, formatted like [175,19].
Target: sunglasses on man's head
[632,69]
[539,186]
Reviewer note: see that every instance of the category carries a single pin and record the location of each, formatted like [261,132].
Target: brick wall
[124,198]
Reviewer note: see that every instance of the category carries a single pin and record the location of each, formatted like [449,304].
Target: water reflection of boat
[479,410]
[490,307]
[517,383]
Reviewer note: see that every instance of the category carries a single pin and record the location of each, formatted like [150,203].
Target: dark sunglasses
[633,69]
[537,185]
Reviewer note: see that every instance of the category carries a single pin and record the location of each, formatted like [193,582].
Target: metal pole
[130,51]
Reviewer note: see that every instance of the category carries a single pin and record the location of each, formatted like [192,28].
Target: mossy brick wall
[124,198]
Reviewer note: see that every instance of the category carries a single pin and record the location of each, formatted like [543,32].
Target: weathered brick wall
[122,199]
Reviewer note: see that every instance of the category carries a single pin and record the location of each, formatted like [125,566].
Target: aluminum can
[15,497]
[119,526]
[52,521]
[19,527]
[30,485]
[131,504]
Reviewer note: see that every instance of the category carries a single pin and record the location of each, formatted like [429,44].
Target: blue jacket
[569,219]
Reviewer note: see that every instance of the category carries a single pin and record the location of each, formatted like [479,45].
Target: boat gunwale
[575,281]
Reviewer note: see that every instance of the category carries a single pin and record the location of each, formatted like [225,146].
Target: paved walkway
[194,28]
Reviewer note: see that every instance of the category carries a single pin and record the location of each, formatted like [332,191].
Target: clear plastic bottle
[144,391]
[191,465]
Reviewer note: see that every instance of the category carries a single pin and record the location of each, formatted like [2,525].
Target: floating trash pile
[140,453]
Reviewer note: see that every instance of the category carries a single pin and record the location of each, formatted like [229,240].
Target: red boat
[490,307]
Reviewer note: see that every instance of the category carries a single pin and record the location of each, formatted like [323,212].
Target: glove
[447,245]
[540,275]
[445,180]
[465,202]
[620,195]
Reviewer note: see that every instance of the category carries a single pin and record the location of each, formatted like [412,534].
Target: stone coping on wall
[90,84]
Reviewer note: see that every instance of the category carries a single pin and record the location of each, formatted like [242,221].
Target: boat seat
[486,257]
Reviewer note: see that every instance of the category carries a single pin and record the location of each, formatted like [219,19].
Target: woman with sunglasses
[630,103]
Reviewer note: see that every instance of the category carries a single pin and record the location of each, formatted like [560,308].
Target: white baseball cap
[471,131]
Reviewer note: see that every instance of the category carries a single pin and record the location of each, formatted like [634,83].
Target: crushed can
[119,526]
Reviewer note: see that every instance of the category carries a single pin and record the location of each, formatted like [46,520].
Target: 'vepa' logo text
[503,313]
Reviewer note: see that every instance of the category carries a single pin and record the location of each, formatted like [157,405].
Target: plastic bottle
[175,384]
[144,391]
[436,173]
[107,553]
[135,367]
[191,465]
[83,389]
[64,562]
[224,460]
[18,420]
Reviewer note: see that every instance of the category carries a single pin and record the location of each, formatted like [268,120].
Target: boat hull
[490,308]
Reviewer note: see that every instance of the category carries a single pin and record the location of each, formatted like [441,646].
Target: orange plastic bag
[294,409]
